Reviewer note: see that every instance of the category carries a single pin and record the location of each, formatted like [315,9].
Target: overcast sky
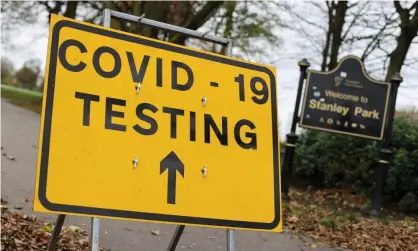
[31,42]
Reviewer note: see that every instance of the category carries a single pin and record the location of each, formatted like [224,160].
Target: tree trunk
[338,24]
[71,10]
[230,8]
[55,9]
[409,30]
[325,51]
[155,10]
[137,10]
[180,13]
[398,55]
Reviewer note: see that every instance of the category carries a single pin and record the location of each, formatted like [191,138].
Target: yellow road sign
[140,129]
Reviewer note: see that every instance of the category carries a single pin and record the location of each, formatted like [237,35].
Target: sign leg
[386,152]
[176,238]
[56,234]
[380,178]
[95,234]
[230,233]
[292,137]
[95,222]
[230,240]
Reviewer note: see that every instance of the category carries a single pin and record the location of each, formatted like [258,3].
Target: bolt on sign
[345,101]
[141,129]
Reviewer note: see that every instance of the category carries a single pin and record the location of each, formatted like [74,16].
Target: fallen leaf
[156,232]
[74,228]
[47,228]
[17,241]
[10,157]
[333,218]
[263,238]
[84,241]
[3,208]
[20,233]
[292,219]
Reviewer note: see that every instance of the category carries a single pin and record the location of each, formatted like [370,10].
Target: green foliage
[28,76]
[402,182]
[332,160]
[327,223]
[252,25]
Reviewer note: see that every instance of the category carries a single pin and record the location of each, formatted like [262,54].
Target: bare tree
[367,29]
[327,35]
[408,25]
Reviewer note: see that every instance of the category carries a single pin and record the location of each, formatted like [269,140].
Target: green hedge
[332,160]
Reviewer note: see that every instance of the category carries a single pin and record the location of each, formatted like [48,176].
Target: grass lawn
[28,99]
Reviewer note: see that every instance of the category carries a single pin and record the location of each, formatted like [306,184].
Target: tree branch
[52,10]
[293,13]
[415,5]
[310,38]
[199,19]
[229,24]
[354,5]
[377,38]
[398,7]
[356,16]
[414,20]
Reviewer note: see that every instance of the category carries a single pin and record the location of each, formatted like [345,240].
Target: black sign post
[345,101]
[292,137]
[385,153]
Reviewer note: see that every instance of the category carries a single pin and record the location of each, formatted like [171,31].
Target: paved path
[19,137]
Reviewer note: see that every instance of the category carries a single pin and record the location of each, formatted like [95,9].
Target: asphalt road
[19,138]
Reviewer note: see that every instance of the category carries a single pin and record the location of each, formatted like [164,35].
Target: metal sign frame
[95,222]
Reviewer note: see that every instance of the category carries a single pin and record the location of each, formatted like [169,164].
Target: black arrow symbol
[173,164]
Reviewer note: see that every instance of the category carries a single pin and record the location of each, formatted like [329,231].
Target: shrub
[402,182]
[332,160]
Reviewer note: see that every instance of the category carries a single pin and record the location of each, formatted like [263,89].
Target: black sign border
[46,133]
[374,81]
